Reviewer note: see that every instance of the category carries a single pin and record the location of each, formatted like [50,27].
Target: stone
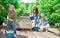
[2,35]
[21,36]
[55,31]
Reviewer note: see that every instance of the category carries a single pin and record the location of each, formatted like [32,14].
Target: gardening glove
[10,19]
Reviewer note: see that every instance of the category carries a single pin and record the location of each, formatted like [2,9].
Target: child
[43,23]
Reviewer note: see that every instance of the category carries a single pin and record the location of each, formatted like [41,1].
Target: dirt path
[37,35]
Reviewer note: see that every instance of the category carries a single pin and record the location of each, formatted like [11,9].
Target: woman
[11,19]
[35,13]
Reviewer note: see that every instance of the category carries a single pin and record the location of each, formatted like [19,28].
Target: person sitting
[43,23]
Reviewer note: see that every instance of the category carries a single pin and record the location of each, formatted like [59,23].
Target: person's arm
[7,17]
[15,16]
[40,22]
[46,21]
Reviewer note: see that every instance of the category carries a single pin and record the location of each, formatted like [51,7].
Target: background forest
[51,9]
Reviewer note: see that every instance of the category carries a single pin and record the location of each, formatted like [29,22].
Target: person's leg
[36,19]
[41,27]
[7,27]
[47,27]
[14,26]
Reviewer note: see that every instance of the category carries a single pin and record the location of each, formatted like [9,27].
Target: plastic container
[32,17]
[35,28]
[9,34]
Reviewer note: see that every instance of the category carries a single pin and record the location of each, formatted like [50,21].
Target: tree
[4,4]
[21,9]
[51,9]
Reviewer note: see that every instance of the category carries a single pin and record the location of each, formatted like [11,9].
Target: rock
[55,31]
[24,23]
[2,35]
[21,36]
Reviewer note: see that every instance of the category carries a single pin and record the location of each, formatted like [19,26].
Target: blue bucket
[9,35]
[35,28]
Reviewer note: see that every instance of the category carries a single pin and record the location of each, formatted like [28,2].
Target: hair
[42,14]
[11,6]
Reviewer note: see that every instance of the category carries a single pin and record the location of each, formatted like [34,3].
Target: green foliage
[4,4]
[57,25]
[3,15]
[30,7]
[21,9]
[2,19]
[13,2]
[51,9]
[54,17]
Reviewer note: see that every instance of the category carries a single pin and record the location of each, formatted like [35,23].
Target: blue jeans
[13,23]
[36,20]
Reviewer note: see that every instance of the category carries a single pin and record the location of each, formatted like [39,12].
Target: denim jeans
[36,20]
[13,23]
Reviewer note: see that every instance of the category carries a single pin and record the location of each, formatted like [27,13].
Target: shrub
[57,25]
[54,17]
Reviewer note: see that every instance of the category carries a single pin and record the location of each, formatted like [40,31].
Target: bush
[57,25]
[54,17]
[2,19]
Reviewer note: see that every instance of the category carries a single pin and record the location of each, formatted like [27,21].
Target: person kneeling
[44,26]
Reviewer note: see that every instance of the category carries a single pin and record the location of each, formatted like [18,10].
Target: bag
[32,17]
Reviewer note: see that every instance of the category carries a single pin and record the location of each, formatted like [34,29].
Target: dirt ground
[30,34]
